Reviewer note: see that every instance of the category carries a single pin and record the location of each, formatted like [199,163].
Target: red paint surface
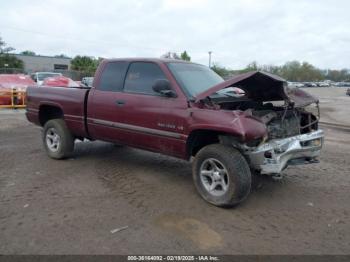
[18,82]
[60,81]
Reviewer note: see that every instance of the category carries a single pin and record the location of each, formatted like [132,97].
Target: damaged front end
[275,155]
[292,138]
[292,135]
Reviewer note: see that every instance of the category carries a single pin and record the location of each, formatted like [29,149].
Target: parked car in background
[60,81]
[232,129]
[39,77]
[310,84]
[342,84]
[87,81]
[323,84]
[296,84]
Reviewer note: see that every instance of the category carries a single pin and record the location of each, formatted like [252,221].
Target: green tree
[171,55]
[28,52]
[337,75]
[291,71]
[62,56]
[185,56]
[301,72]
[253,66]
[4,49]
[271,69]
[221,71]
[85,64]
[311,72]
[7,60]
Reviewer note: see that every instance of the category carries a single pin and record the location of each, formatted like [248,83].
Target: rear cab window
[112,76]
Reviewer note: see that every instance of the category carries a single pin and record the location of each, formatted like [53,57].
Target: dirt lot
[71,206]
[335,104]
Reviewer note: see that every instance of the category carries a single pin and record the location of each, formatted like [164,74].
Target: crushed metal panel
[301,98]
[263,86]
[254,84]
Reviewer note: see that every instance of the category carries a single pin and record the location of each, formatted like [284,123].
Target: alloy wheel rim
[53,139]
[214,177]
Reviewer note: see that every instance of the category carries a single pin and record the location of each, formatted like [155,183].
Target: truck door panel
[102,109]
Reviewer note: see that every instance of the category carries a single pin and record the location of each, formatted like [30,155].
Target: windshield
[194,78]
[41,77]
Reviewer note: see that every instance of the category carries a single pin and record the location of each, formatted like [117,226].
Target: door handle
[119,102]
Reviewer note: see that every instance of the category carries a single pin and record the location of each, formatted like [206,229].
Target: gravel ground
[71,206]
[335,104]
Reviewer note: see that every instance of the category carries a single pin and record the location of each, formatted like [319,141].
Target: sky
[236,31]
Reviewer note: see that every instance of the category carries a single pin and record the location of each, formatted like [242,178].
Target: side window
[141,76]
[112,76]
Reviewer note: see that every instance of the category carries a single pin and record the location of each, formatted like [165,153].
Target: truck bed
[71,101]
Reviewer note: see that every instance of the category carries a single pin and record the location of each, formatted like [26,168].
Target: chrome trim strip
[146,130]
[73,116]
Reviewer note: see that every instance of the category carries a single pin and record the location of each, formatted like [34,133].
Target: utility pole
[209,58]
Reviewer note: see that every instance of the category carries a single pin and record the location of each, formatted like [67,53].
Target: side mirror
[162,86]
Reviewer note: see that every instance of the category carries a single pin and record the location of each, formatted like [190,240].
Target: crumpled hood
[263,86]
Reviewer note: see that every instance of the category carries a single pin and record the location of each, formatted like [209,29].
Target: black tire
[65,146]
[238,182]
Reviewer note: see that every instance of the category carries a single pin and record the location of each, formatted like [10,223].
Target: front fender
[235,123]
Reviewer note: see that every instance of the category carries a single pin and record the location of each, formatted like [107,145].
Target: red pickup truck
[250,124]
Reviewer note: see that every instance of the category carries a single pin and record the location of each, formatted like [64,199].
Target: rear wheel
[58,140]
[221,175]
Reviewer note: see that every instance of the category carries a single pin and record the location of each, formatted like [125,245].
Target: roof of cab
[147,59]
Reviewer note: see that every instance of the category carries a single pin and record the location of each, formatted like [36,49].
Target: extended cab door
[103,109]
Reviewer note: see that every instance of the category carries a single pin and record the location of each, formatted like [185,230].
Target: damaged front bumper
[274,156]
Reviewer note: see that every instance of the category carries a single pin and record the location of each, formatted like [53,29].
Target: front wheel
[221,175]
[58,140]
